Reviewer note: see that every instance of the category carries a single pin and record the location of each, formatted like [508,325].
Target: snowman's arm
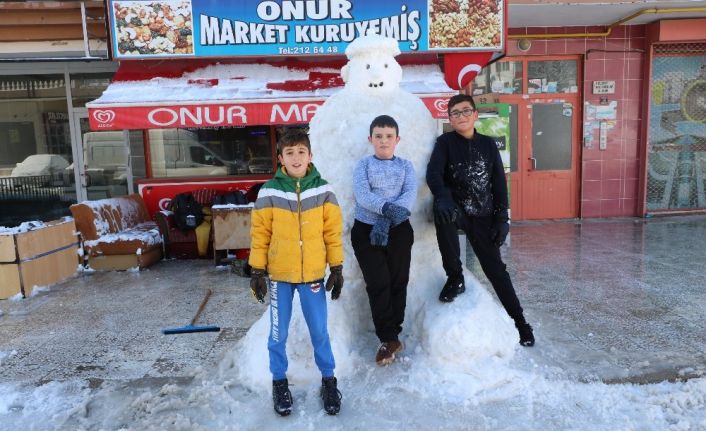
[364,195]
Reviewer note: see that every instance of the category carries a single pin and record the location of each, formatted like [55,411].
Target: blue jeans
[312,297]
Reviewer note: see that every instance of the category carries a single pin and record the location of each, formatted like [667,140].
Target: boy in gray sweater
[385,189]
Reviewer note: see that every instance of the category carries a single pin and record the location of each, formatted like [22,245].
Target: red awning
[232,92]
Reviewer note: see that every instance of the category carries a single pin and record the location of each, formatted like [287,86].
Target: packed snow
[462,368]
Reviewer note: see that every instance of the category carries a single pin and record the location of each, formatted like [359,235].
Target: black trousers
[478,231]
[386,274]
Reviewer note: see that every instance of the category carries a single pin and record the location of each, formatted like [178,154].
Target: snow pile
[22,228]
[249,81]
[455,336]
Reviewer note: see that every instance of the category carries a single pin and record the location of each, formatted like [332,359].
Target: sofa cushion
[136,240]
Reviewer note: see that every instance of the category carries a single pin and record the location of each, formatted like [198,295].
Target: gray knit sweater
[377,181]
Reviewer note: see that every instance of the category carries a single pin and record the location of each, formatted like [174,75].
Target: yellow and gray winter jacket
[296,228]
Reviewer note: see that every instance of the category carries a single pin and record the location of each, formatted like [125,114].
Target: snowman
[441,335]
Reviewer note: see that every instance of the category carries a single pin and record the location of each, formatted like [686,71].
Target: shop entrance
[101,162]
[544,102]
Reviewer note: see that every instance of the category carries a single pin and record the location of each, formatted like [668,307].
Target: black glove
[258,284]
[334,284]
[445,211]
[397,214]
[378,236]
[501,227]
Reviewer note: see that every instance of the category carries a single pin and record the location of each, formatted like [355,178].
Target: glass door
[102,162]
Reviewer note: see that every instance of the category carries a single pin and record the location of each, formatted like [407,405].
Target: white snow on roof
[249,81]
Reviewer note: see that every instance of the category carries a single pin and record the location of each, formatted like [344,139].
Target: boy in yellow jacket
[296,230]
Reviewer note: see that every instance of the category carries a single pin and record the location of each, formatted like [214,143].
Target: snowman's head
[372,68]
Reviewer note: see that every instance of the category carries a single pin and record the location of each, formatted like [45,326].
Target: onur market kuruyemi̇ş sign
[216,28]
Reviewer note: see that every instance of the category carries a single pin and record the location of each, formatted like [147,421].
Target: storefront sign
[224,114]
[215,28]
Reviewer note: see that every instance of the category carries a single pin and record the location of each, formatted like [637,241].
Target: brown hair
[460,98]
[292,138]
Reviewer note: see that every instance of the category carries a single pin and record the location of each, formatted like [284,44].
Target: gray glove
[397,214]
[381,229]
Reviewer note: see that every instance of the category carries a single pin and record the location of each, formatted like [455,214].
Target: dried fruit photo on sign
[465,23]
[154,28]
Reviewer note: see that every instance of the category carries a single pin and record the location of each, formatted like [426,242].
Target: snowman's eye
[367,66]
[385,65]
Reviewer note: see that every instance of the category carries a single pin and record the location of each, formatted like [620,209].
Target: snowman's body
[339,133]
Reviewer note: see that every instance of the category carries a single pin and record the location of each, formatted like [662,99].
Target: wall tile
[556,47]
[630,189]
[628,207]
[611,189]
[591,190]
[610,208]
[613,169]
[635,69]
[590,209]
[632,169]
[637,30]
[592,170]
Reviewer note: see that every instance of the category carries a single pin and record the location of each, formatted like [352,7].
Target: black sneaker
[526,335]
[452,288]
[331,395]
[282,397]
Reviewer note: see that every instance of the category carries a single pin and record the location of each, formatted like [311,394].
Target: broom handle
[203,304]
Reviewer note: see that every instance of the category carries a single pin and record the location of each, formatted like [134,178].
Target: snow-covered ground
[462,368]
[413,393]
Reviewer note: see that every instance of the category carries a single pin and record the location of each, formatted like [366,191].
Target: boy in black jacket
[466,176]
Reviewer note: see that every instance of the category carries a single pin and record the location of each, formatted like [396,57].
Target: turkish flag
[461,68]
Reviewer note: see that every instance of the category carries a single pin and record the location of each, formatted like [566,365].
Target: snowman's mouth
[375,84]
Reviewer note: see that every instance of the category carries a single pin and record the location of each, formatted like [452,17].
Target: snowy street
[617,307]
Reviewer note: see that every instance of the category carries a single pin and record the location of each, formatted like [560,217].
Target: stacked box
[38,257]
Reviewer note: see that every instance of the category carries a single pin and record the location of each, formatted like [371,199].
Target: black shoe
[526,335]
[452,288]
[282,397]
[331,395]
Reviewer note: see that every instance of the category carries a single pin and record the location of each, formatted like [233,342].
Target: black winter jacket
[470,171]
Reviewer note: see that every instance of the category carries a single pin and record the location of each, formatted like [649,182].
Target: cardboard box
[38,257]
[231,227]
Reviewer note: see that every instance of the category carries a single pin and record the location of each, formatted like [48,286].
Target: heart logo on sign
[441,104]
[104,117]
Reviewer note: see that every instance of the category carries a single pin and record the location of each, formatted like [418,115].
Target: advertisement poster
[214,28]
[494,121]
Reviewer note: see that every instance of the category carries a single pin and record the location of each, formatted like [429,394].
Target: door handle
[534,163]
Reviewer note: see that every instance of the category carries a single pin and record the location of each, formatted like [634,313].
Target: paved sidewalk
[612,300]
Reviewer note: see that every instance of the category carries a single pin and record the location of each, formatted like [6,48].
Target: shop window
[553,76]
[676,158]
[35,149]
[503,77]
[211,152]
[88,87]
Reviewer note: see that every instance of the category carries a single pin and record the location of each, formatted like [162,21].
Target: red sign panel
[219,114]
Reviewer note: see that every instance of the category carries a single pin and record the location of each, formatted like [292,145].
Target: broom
[191,327]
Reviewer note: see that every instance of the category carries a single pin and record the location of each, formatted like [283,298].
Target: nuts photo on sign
[153,28]
[465,23]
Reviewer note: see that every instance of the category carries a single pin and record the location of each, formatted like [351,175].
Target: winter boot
[526,336]
[386,352]
[331,395]
[282,397]
[454,286]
